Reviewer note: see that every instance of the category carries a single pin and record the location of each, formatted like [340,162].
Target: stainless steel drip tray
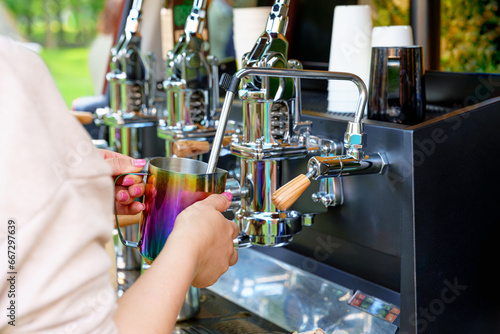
[220,316]
[297,300]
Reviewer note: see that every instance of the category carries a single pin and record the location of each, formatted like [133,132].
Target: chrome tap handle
[333,166]
[278,18]
[131,27]
[188,51]
[132,24]
[196,20]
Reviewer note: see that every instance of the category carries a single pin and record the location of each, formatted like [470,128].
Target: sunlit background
[63,30]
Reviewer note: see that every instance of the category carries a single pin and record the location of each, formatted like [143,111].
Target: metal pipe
[425,19]
[312,74]
[344,165]
[219,134]
[233,84]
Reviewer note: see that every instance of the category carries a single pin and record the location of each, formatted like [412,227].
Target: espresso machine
[389,246]
[192,91]
[274,133]
[400,234]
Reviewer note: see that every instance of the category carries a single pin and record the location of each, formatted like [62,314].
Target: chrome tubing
[345,165]
[353,137]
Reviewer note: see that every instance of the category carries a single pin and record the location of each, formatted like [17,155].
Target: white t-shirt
[57,197]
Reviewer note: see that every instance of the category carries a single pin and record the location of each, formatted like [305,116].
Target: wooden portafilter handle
[284,197]
[84,117]
[191,148]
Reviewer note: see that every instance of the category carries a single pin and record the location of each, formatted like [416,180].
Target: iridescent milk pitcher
[172,184]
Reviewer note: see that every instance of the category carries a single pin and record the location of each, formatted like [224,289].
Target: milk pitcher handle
[127,243]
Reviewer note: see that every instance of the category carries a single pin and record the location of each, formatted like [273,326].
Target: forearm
[152,303]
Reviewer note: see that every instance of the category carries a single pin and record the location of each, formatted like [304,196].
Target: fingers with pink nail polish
[228,195]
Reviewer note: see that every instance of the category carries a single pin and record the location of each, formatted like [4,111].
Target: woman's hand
[209,236]
[197,252]
[127,187]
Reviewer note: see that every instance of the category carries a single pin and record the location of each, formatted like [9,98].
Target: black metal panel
[456,194]
[364,234]
[426,228]
[459,90]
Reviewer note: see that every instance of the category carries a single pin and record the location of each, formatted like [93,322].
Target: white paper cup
[248,24]
[350,52]
[392,36]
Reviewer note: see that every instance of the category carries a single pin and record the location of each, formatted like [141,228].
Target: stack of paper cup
[392,36]
[350,51]
[248,24]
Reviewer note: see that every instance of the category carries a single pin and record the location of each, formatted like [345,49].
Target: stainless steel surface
[191,86]
[219,135]
[220,316]
[397,85]
[337,166]
[270,228]
[191,305]
[293,298]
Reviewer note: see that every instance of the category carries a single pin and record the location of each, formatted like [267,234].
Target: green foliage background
[65,28]
[391,12]
[69,68]
[56,22]
[470,36]
[470,31]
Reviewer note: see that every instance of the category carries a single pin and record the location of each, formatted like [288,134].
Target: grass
[69,68]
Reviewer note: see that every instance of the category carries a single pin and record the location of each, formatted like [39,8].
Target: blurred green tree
[56,22]
[470,36]
[391,12]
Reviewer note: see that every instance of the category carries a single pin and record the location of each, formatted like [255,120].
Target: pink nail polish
[228,195]
[128,181]
[139,162]
[137,191]
[123,197]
